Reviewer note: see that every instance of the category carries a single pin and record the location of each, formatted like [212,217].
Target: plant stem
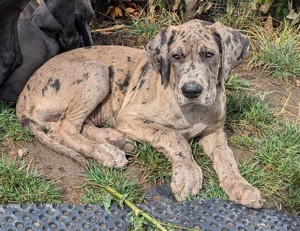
[136,210]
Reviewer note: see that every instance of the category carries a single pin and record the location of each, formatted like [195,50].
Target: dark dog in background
[44,31]
[10,53]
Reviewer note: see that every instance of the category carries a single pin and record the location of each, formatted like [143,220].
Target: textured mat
[209,215]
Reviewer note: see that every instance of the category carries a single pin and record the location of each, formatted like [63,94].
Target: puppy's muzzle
[191,90]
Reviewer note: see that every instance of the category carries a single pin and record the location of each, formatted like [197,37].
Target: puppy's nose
[191,90]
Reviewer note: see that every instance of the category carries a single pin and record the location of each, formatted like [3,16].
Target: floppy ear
[158,50]
[234,48]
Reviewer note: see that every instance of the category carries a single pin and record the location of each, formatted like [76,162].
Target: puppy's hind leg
[90,86]
[107,154]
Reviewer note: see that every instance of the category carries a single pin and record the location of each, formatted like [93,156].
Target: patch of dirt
[282,95]
[115,33]
[52,166]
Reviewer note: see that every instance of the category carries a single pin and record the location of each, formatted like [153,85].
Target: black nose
[191,90]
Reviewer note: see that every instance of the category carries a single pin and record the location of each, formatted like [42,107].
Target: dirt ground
[51,165]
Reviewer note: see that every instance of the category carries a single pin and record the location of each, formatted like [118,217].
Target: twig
[151,8]
[116,27]
[176,5]
[28,167]
[138,212]
[285,103]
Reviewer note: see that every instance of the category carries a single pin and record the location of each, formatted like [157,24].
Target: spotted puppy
[166,95]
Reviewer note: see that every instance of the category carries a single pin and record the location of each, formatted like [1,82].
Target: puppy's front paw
[186,180]
[246,195]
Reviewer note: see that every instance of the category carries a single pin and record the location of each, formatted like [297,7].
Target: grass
[10,128]
[275,145]
[274,166]
[21,185]
[100,177]
[276,51]
[148,27]
[237,16]
[153,168]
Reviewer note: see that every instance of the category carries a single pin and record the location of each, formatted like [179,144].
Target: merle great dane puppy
[44,31]
[172,92]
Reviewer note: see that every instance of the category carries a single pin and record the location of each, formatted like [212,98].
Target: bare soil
[68,173]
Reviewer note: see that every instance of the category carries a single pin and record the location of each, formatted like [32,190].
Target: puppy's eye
[176,57]
[209,55]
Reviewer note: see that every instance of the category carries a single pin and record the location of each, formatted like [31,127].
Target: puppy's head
[199,56]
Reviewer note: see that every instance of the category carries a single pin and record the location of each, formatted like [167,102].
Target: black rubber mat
[209,215]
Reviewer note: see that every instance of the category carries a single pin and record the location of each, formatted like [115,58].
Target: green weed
[248,112]
[149,26]
[19,185]
[276,51]
[10,128]
[244,141]
[237,16]
[143,27]
[245,111]
[274,166]
[236,84]
[100,177]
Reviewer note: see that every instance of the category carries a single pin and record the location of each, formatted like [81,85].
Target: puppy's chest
[195,121]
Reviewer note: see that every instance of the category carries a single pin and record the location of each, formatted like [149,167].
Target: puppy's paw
[124,144]
[246,195]
[186,180]
[110,156]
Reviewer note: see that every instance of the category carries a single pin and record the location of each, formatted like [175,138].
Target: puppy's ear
[234,47]
[158,50]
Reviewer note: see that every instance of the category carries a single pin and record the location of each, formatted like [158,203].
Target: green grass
[10,128]
[275,145]
[99,177]
[246,111]
[143,27]
[274,166]
[237,16]
[155,166]
[19,185]
[276,51]
[148,27]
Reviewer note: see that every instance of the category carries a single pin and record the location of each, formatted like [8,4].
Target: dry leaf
[114,12]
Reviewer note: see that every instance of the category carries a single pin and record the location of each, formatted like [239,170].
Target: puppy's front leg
[238,189]
[186,174]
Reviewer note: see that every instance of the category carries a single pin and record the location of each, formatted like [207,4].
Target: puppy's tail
[53,144]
